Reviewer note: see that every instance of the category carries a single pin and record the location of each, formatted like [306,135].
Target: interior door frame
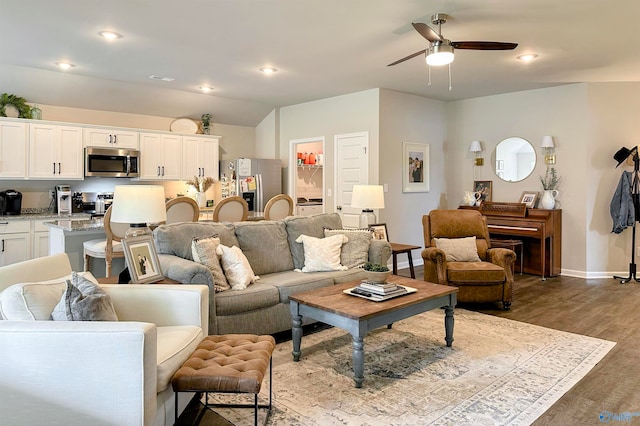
[293,169]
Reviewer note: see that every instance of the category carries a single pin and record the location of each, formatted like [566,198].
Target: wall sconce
[476,148]
[549,150]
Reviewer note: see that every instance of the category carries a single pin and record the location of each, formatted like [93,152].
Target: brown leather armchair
[490,280]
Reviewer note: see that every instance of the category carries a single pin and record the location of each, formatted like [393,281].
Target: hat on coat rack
[623,153]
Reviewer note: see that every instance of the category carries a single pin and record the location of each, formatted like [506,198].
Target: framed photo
[142,259]
[415,167]
[484,188]
[530,198]
[379,231]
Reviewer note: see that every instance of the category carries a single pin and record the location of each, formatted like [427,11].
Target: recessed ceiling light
[64,65]
[206,89]
[527,57]
[268,70]
[161,78]
[109,35]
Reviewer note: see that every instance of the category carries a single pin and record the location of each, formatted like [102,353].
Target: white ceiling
[321,48]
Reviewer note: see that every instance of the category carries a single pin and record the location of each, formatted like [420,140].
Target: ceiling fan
[440,50]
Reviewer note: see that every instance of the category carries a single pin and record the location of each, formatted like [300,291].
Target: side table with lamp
[367,198]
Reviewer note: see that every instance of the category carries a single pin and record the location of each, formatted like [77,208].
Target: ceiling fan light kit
[440,50]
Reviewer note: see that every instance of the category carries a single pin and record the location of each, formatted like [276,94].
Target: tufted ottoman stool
[229,363]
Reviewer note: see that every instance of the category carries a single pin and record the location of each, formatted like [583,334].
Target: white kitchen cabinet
[15,241]
[200,156]
[309,210]
[161,156]
[111,138]
[13,150]
[39,238]
[55,152]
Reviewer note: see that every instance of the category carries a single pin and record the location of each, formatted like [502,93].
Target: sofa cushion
[312,226]
[255,297]
[83,300]
[355,252]
[34,301]
[322,254]
[266,246]
[459,249]
[175,346]
[175,238]
[291,282]
[236,267]
[204,251]
[474,273]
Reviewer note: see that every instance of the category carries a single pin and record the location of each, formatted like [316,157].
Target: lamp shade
[138,204]
[367,197]
[547,142]
[475,146]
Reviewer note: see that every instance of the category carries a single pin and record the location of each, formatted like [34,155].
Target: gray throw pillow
[204,252]
[84,301]
[355,252]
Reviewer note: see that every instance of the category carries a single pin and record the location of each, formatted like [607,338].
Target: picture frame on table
[530,198]
[379,231]
[484,187]
[142,259]
[415,167]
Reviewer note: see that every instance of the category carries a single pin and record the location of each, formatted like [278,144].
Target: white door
[352,168]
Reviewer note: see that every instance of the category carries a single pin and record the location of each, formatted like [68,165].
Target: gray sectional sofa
[270,247]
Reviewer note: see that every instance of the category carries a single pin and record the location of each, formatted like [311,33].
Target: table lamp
[367,197]
[138,205]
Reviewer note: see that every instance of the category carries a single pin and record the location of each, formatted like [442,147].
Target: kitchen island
[68,236]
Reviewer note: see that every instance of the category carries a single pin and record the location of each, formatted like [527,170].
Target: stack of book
[378,291]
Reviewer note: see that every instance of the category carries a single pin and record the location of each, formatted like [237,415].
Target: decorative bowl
[377,277]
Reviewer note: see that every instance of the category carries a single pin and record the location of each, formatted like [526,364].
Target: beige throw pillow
[322,254]
[459,249]
[203,251]
[236,267]
[355,252]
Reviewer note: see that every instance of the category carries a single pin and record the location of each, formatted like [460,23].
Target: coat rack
[635,193]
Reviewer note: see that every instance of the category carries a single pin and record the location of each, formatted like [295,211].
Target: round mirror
[515,159]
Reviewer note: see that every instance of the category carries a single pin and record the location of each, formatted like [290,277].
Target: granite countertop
[76,225]
[39,214]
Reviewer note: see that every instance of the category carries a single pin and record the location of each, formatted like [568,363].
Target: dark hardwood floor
[601,308]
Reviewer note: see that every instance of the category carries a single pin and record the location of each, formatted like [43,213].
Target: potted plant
[206,123]
[550,184]
[376,272]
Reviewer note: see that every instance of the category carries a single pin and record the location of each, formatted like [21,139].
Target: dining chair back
[231,209]
[182,209]
[278,207]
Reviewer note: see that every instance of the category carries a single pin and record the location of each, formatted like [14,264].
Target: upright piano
[539,230]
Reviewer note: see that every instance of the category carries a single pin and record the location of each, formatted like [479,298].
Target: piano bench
[510,244]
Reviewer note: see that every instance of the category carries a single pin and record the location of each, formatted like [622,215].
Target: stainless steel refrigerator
[256,179]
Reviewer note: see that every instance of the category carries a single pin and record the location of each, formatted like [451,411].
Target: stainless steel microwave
[111,162]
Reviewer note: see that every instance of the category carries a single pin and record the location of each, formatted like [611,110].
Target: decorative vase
[201,199]
[548,200]
[36,113]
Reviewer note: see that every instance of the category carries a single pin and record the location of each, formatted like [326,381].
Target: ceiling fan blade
[413,55]
[483,45]
[426,31]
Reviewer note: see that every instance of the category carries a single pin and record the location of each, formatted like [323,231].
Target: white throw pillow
[236,267]
[459,249]
[34,301]
[322,254]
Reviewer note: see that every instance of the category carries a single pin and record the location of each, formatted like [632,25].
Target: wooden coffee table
[358,316]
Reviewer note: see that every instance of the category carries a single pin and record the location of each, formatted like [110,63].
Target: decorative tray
[379,297]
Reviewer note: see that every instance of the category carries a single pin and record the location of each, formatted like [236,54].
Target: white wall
[356,112]
[410,118]
[267,136]
[558,111]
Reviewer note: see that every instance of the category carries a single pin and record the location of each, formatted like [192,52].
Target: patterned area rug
[498,372]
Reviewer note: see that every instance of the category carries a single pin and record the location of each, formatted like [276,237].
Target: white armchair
[99,373]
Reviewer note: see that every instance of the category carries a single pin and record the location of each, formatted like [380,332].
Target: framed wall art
[142,259]
[415,167]
[530,198]
[484,188]
[379,231]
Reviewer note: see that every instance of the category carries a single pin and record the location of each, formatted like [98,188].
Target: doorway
[306,165]
[352,168]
